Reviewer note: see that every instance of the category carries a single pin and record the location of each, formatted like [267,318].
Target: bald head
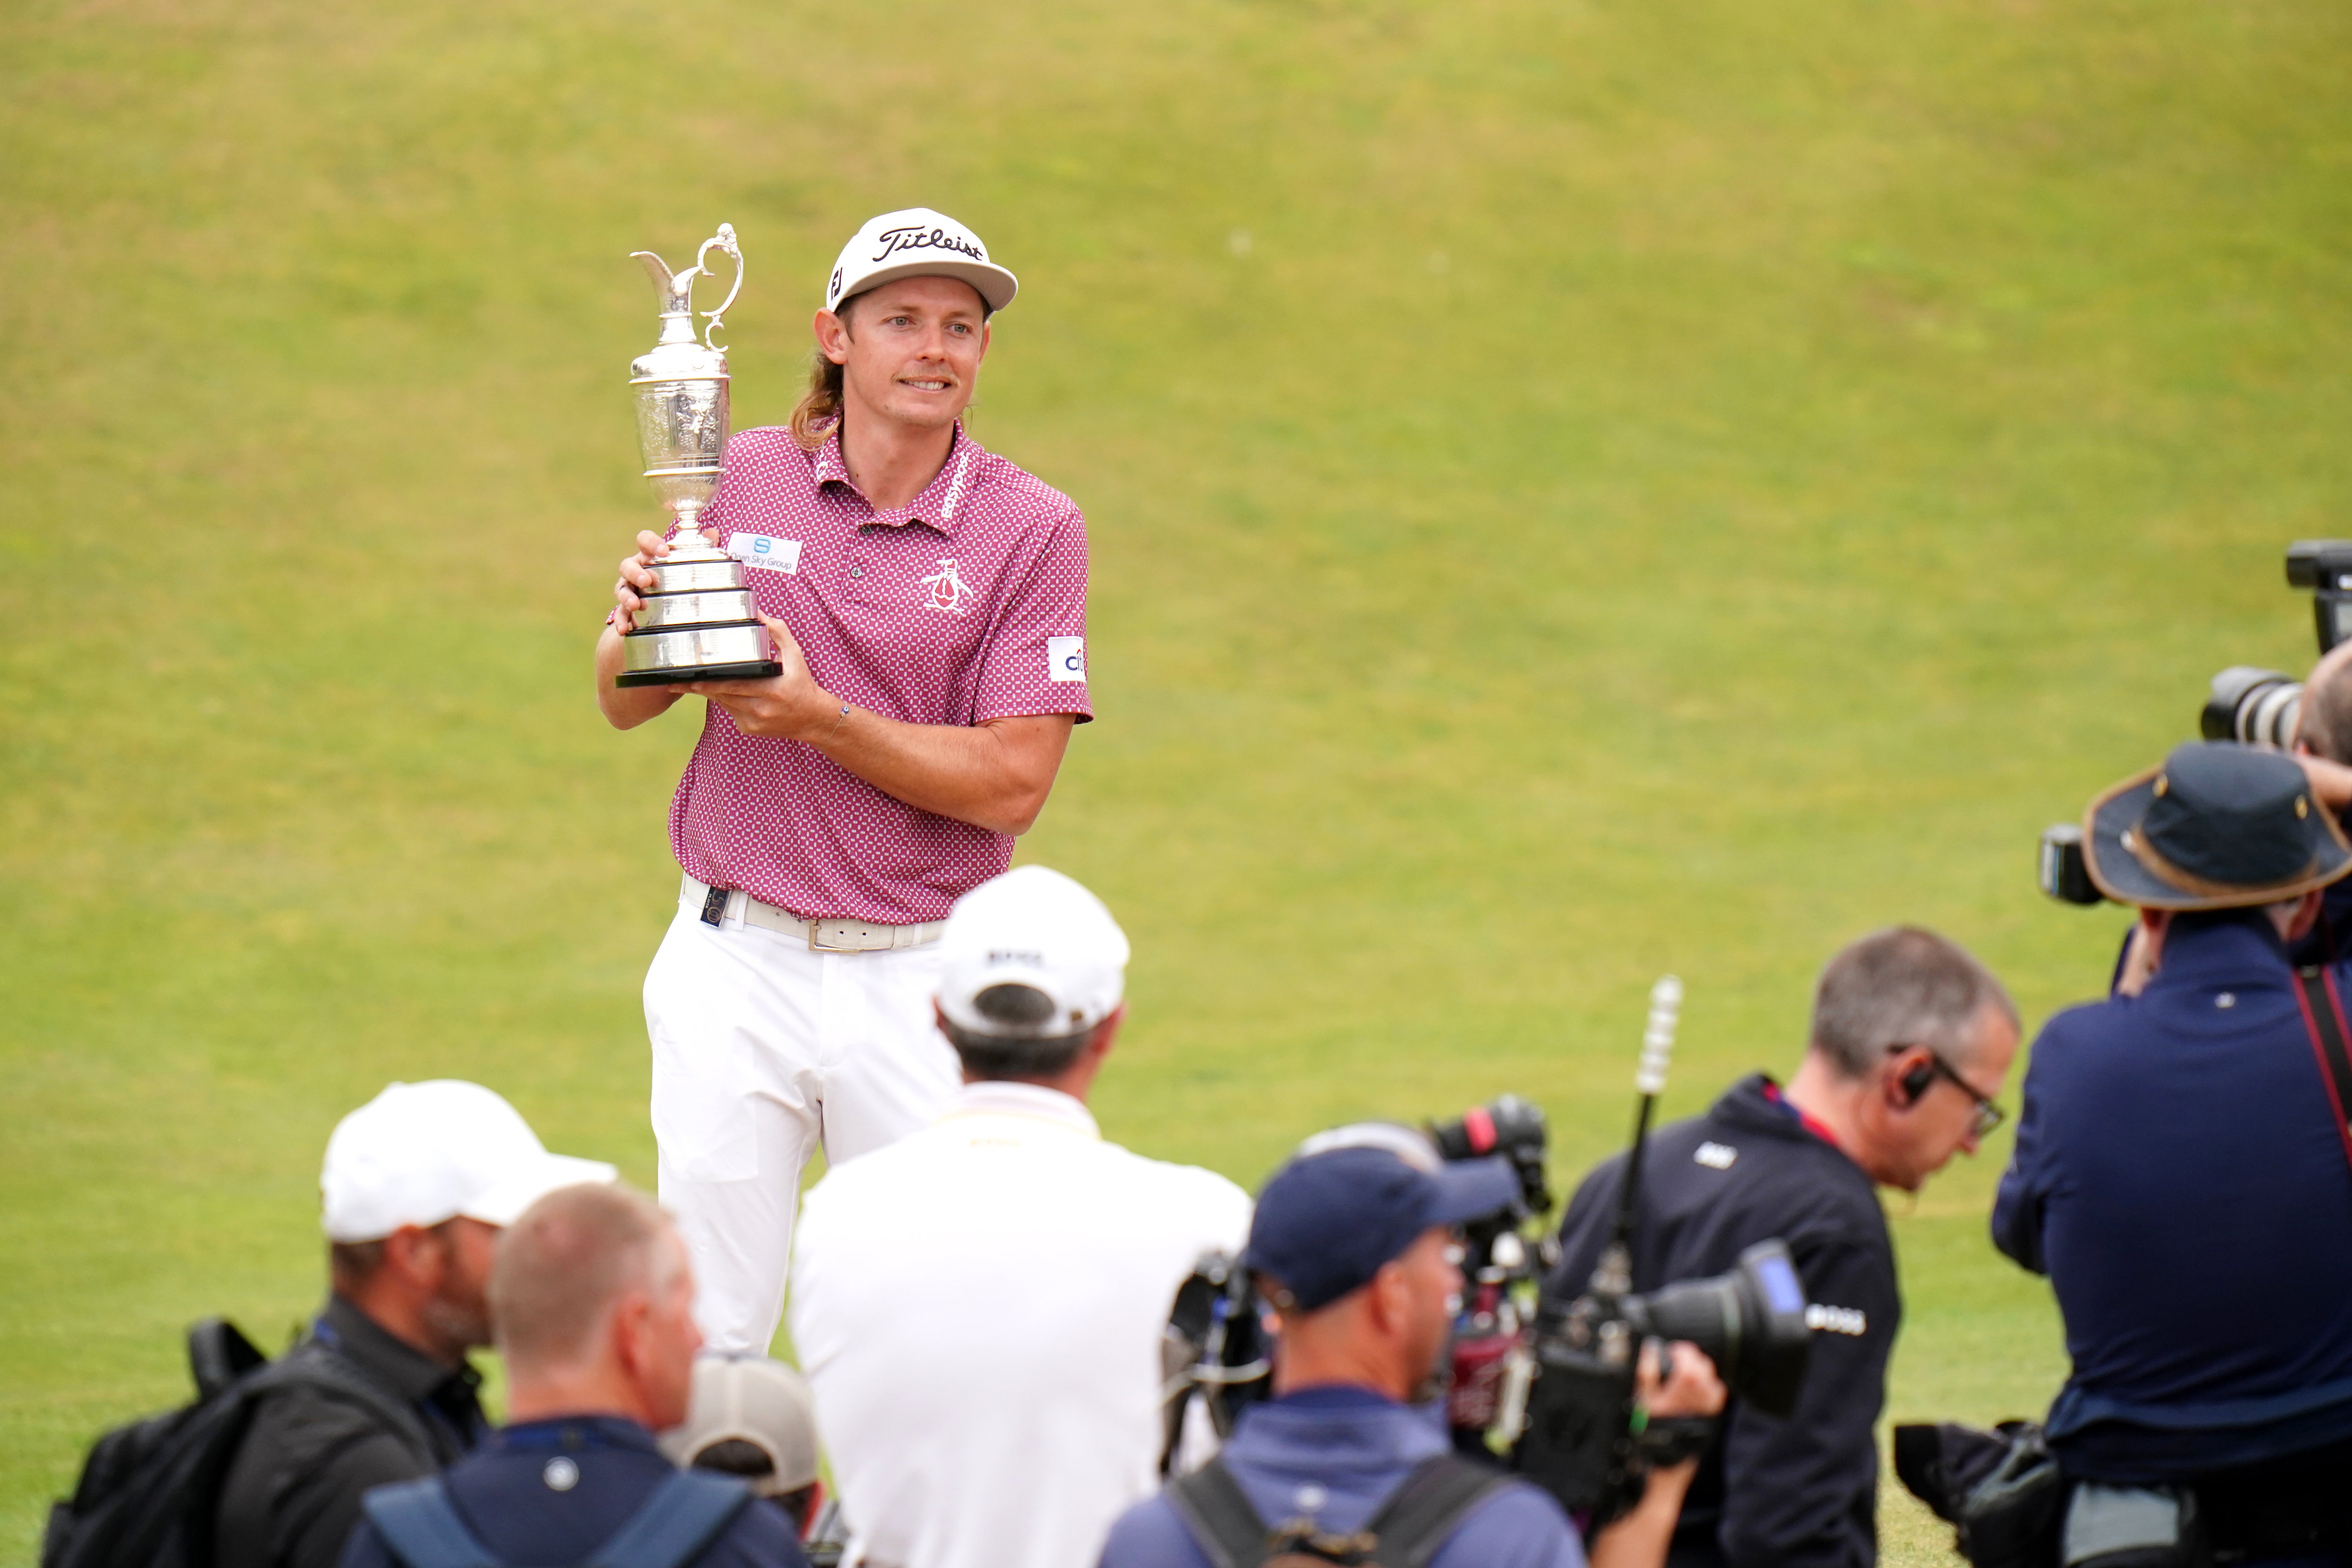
[565,1265]
[2326,728]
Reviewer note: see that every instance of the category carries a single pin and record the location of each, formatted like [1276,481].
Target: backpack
[1405,1533]
[150,1491]
[670,1529]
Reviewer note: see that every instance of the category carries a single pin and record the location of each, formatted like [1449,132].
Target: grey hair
[1902,986]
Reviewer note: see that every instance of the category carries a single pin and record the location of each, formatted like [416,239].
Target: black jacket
[1800,1491]
[546,1494]
[293,1493]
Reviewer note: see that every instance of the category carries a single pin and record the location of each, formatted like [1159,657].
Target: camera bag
[1405,1532]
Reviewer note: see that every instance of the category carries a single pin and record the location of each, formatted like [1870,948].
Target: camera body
[1544,1382]
[1583,1440]
[1547,1383]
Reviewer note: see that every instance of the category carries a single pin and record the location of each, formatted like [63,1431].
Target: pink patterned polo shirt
[969,604]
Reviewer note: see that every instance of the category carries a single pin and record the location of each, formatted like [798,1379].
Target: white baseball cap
[754,1400]
[916,242]
[419,1153]
[1037,928]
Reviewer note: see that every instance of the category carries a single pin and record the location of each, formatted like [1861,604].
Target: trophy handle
[724,240]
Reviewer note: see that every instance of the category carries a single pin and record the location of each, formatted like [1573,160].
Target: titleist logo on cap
[894,240]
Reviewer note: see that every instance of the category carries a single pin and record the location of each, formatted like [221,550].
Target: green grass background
[1577,488]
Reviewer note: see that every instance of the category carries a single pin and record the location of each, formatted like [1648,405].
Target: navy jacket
[1335,1454]
[2330,940]
[2180,1177]
[503,1495]
[1800,1491]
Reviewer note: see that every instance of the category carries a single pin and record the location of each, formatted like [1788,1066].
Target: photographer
[2181,1171]
[2323,744]
[1356,1246]
[1911,1039]
[980,1307]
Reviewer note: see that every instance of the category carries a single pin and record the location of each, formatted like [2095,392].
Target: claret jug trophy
[698,623]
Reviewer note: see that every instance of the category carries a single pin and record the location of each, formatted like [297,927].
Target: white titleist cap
[754,1400]
[917,243]
[1037,928]
[419,1153]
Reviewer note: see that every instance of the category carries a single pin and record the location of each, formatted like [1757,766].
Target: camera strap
[2323,1017]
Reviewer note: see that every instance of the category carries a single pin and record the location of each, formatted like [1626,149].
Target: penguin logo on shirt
[947,592]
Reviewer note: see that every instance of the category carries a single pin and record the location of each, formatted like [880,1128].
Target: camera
[2261,707]
[2245,703]
[1548,1383]
[2254,706]
[1582,1440]
[2064,871]
[1216,1358]
[1497,1264]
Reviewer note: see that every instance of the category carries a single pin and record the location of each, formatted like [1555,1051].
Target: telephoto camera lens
[2257,706]
[1750,1322]
[2065,876]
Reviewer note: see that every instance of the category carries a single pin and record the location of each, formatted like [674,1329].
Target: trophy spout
[676,292]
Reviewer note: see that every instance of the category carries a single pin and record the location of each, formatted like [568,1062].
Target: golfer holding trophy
[887,624]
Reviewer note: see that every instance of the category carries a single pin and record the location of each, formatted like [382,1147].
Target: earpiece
[1916,1082]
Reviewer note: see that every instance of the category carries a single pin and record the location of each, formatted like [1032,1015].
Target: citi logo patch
[1716,1156]
[1847,1320]
[768,554]
[1066,658]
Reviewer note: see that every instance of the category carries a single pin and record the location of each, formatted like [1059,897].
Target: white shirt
[979,1309]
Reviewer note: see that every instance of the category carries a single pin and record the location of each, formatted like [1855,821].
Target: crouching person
[593,1299]
[1357,1247]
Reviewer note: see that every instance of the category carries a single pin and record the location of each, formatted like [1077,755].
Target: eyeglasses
[1988,1115]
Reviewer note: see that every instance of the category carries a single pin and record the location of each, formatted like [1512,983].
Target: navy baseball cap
[1338,1210]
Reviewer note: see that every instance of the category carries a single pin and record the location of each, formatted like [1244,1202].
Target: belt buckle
[816,937]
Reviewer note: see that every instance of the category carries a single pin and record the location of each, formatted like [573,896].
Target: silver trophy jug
[698,624]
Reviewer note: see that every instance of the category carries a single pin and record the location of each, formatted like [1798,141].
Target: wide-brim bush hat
[2219,826]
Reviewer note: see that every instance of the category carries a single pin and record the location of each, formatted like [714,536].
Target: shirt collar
[942,499]
[1341,1428]
[1033,1101]
[2208,945]
[572,1434]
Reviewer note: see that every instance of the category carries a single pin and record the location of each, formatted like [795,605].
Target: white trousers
[763,1050]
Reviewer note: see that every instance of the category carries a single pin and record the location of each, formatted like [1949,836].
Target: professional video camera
[1545,1383]
[1575,1431]
[2245,703]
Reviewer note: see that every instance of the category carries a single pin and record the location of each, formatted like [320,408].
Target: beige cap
[753,1400]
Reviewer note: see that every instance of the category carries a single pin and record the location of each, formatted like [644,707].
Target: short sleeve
[1035,660]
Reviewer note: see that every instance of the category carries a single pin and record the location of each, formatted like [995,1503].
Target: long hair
[819,409]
